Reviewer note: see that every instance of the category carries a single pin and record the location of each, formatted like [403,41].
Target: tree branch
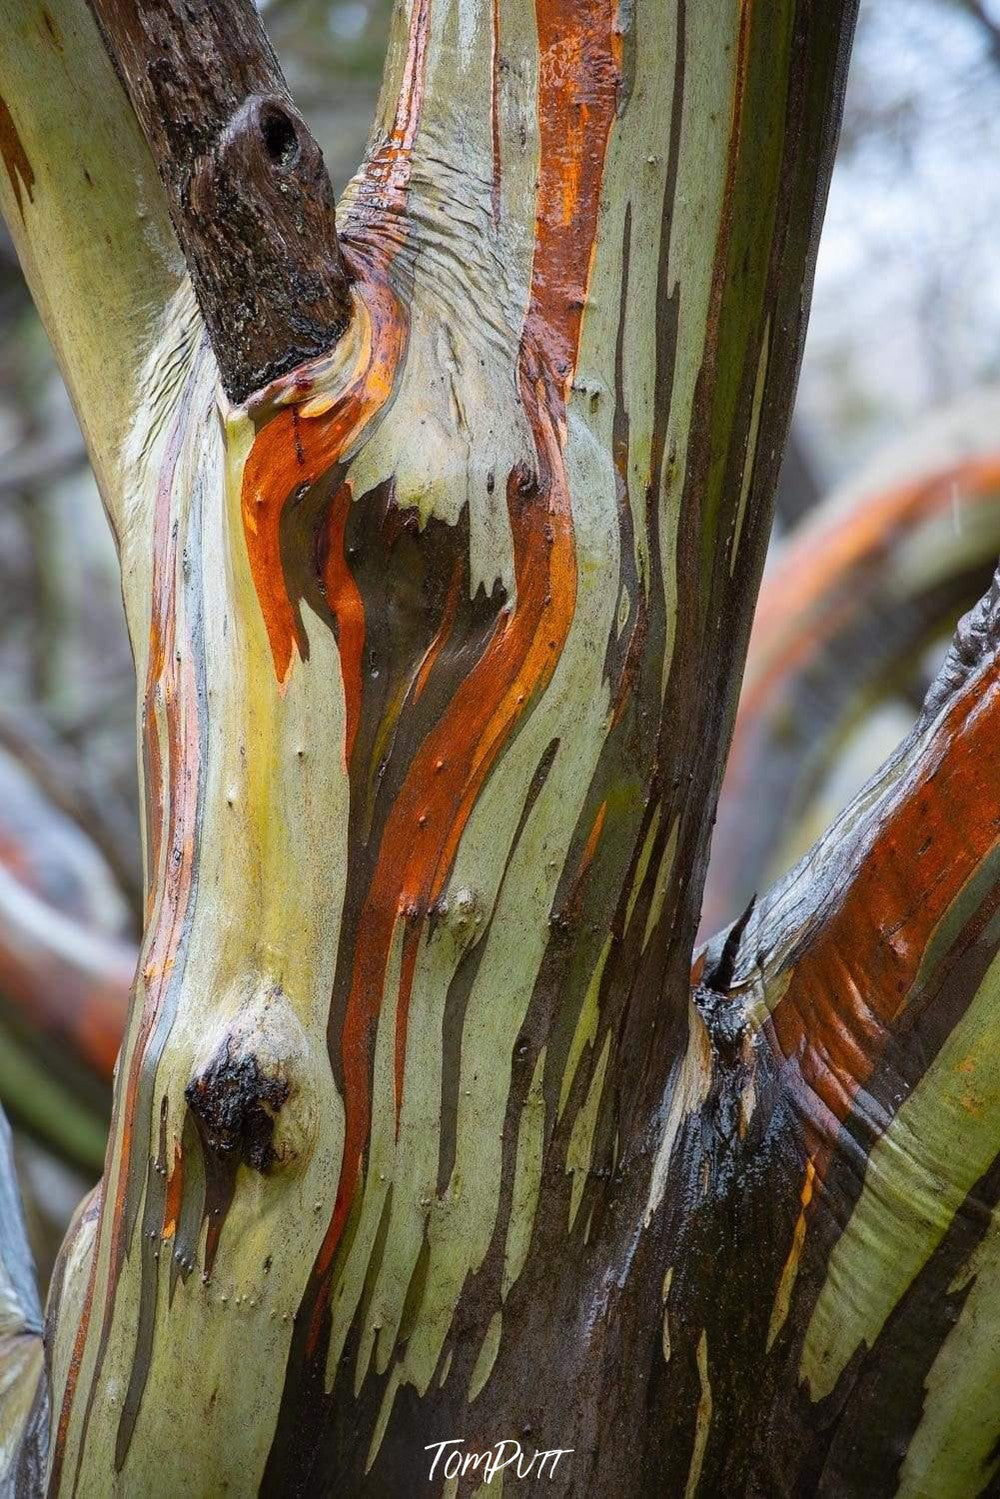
[249,195]
[990,28]
[87,216]
[859,592]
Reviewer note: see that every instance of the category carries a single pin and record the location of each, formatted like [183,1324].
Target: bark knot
[235,1103]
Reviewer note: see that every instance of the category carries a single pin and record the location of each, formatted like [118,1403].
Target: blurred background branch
[991,26]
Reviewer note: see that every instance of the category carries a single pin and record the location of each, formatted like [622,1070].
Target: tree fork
[438,643]
[249,195]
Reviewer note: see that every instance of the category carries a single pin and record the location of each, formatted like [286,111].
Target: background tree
[439,535]
[854,617]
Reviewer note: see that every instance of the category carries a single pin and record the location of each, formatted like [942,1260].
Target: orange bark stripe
[593,839]
[347,607]
[433,805]
[854,980]
[577,96]
[294,451]
[169,686]
[172,1200]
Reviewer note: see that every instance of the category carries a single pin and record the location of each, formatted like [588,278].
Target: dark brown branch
[990,28]
[248,191]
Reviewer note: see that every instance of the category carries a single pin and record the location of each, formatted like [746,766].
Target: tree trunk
[420,1133]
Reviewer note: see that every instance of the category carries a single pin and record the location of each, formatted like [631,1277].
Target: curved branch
[854,597]
[844,1126]
[88,217]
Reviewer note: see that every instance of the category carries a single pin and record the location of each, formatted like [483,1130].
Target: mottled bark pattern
[421,1130]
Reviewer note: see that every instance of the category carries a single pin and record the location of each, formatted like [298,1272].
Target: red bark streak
[855,978]
[174,1192]
[170,691]
[577,97]
[15,159]
[344,598]
[578,79]
[294,451]
[593,839]
[430,813]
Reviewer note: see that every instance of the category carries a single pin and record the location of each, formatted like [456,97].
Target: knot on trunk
[235,1103]
[252,1090]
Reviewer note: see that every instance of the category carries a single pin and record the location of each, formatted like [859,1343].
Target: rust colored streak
[593,839]
[171,691]
[292,452]
[852,983]
[430,813]
[387,173]
[175,1190]
[577,98]
[15,159]
[347,607]
[578,80]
